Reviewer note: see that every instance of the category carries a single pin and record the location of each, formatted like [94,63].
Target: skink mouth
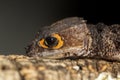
[53,56]
[64,53]
[60,56]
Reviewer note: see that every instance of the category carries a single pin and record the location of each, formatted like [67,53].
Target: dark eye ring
[53,42]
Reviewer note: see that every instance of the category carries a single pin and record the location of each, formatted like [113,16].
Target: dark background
[21,19]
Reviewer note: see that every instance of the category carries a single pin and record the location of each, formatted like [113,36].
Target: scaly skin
[81,40]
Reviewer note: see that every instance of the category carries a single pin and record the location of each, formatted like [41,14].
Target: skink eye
[50,41]
[53,42]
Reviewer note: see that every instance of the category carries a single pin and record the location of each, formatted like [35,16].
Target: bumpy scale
[73,38]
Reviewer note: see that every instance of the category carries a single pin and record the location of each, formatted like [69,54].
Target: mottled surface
[80,40]
[18,67]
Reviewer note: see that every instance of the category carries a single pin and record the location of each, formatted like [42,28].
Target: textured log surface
[19,67]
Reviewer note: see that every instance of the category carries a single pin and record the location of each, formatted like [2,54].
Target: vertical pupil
[50,41]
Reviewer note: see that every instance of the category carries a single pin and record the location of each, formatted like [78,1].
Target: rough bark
[19,67]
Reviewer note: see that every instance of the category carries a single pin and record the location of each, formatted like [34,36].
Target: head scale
[69,35]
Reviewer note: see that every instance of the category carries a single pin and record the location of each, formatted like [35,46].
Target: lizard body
[73,37]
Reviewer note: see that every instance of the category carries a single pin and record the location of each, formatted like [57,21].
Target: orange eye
[53,42]
[41,43]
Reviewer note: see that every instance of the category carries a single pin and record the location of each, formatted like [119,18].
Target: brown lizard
[74,38]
